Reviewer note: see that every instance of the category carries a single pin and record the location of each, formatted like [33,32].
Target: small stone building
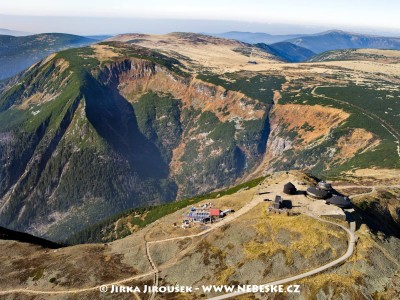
[278,202]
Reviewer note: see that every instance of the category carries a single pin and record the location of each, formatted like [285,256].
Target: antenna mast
[251,59]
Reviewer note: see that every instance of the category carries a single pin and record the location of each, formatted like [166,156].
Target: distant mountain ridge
[319,42]
[4,31]
[19,53]
[256,37]
[100,37]
[336,40]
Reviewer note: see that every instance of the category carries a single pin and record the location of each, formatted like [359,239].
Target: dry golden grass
[316,283]
[319,118]
[104,52]
[384,174]
[37,98]
[365,66]
[358,139]
[254,249]
[364,246]
[313,235]
[387,294]
[224,275]
[388,53]
[215,54]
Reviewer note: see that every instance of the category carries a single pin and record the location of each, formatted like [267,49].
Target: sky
[158,16]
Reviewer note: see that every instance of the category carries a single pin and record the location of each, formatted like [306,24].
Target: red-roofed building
[214,212]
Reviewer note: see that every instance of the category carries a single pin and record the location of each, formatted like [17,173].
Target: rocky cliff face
[305,137]
[88,139]
[90,132]
[209,132]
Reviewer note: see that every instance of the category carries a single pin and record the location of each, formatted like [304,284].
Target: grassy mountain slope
[255,248]
[226,255]
[130,221]
[19,53]
[147,119]
[93,131]
[362,141]
[287,51]
[79,148]
[373,55]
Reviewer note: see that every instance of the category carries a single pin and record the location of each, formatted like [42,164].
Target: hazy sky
[372,14]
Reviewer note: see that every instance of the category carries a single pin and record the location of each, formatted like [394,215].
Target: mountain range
[80,105]
[141,120]
[113,143]
[256,37]
[336,40]
[320,42]
[19,50]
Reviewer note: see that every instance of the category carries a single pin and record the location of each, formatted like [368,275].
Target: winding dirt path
[246,208]
[74,291]
[341,259]
[255,201]
[372,187]
[155,269]
[367,186]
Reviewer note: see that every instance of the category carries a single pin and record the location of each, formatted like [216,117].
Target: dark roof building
[289,188]
[340,201]
[323,185]
[317,193]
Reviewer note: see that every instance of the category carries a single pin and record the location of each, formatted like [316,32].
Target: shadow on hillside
[114,120]
[7,234]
